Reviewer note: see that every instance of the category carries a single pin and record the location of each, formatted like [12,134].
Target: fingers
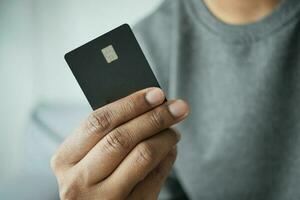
[103,120]
[111,150]
[140,161]
[154,181]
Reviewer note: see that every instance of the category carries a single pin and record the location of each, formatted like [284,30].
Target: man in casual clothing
[237,65]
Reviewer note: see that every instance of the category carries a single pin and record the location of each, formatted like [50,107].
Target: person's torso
[241,140]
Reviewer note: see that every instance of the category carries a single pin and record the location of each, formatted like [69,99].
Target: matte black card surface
[110,67]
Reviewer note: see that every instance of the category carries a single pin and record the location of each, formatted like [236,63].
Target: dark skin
[126,149]
[122,150]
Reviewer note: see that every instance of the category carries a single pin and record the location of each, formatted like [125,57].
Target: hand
[123,150]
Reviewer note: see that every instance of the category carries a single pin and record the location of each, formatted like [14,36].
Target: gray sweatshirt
[242,138]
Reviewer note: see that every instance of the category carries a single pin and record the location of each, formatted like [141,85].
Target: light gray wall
[34,36]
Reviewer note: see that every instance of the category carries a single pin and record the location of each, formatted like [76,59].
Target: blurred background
[40,99]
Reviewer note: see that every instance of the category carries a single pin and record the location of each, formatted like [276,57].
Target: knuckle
[157,119]
[173,153]
[146,154]
[164,168]
[130,105]
[100,121]
[174,137]
[71,186]
[170,136]
[54,163]
[118,139]
[108,195]
[69,191]
[159,172]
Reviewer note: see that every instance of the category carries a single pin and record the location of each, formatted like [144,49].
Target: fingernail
[178,108]
[155,96]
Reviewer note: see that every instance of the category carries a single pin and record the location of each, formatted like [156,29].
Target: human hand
[123,150]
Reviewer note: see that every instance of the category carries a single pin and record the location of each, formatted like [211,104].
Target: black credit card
[110,67]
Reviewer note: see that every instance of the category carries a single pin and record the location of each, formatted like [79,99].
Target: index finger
[103,120]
